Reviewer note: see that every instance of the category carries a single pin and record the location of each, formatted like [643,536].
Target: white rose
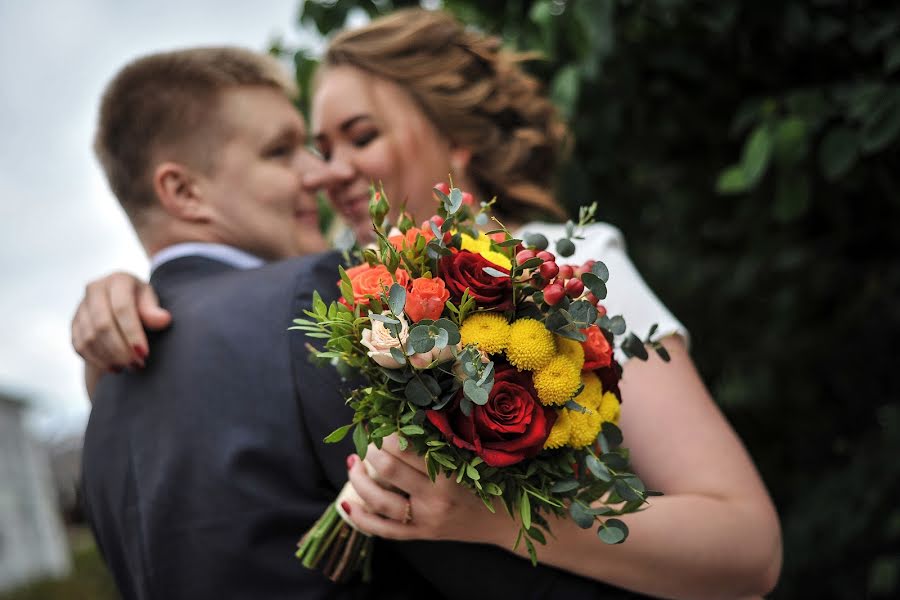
[379,341]
[423,359]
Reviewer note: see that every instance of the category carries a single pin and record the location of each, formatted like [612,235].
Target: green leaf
[397,354]
[757,151]
[565,247]
[454,201]
[536,241]
[595,284]
[535,534]
[883,125]
[838,152]
[790,140]
[613,531]
[634,347]
[565,485]
[597,468]
[412,430]
[531,263]
[338,434]
[580,515]
[892,58]
[509,243]
[472,473]
[419,340]
[397,298]
[614,461]
[617,325]
[475,393]
[625,491]
[600,270]
[417,392]
[732,181]
[612,433]
[525,511]
[565,88]
[360,440]
[402,443]
[791,197]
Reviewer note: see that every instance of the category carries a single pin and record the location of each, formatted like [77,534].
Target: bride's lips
[307,216]
[354,206]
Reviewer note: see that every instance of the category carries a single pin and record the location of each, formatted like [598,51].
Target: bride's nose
[336,170]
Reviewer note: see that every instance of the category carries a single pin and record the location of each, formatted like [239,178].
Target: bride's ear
[179,194]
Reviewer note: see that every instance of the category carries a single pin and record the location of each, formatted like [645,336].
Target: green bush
[748,150]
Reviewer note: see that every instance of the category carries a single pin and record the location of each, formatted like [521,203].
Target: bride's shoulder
[596,235]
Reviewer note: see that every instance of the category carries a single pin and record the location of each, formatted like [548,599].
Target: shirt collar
[229,255]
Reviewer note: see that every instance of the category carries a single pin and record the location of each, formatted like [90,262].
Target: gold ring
[408,516]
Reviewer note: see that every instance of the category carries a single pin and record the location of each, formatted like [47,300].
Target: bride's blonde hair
[476,94]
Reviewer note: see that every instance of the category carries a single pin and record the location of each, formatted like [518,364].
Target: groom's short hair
[165,107]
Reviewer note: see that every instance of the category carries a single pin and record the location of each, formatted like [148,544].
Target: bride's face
[370,130]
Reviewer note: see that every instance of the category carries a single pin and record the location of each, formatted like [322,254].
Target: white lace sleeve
[628,293]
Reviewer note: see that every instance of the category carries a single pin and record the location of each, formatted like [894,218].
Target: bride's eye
[363,139]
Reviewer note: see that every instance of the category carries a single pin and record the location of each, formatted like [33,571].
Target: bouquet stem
[340,550]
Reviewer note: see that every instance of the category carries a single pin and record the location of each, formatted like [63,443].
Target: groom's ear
[460,158]
[178,191]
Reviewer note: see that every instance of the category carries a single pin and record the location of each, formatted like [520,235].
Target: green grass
[89,579]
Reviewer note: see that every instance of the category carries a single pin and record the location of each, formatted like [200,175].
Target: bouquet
[491,361]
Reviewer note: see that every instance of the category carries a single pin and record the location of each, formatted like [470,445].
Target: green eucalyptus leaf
[473,392]
[600,270]
[494,272]
[565,485]
[397,298]
[597,468]
[580,515]
[595,284]
[536,241]
[613,531]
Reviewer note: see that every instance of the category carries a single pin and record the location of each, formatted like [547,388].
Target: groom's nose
[323,175]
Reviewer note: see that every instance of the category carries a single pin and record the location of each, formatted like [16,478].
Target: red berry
[546,256]
[448,235]
[467,199]
[553,293]
[436,219]
[566,271]
[443,187]
[591,298]
[548,270]
[524,255]
[601,310]
[574,288]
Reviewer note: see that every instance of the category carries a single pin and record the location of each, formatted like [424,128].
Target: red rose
[598,352]
[609,378]
[465,269]
[511,427]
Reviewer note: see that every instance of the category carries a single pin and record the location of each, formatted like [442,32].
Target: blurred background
[747,149]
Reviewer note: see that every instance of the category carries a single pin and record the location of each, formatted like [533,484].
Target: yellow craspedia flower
[592,393]
[562,430]
[571,349]
[556,382]
[482,245]
[585,428]
[530,346]
[489,331]
[609,409]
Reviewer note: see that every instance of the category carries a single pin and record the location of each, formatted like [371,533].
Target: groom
[201,470]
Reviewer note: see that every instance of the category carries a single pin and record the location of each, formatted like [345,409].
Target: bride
[402,101]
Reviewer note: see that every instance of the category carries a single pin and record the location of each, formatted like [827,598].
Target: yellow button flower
[592,393]
[609,408]
[562,430]
[482,245]
[530,346]
[489,331]
[556,382]
[585,428]
[571,349]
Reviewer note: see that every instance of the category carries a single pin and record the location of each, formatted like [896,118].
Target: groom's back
[199,472]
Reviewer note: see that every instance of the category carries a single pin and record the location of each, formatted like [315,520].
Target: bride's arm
[108,326]
[714,534]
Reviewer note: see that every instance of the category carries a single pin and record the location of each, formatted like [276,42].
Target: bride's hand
[443,510]
[108,326]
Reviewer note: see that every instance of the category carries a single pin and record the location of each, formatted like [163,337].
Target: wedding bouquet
[488,359]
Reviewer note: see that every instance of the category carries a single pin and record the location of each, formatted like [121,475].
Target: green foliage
[749,151]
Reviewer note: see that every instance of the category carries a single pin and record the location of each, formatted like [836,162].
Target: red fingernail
[140,351]
[351,460]
[346,506]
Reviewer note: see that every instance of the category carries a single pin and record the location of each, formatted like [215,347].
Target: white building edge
[33,540]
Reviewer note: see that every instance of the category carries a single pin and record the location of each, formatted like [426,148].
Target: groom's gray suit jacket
[201,471]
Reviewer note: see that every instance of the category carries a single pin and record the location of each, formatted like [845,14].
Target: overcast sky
[59,225]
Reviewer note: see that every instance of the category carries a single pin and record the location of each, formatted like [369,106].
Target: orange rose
[408,240]
[598,352]
[371,281]
[426,299]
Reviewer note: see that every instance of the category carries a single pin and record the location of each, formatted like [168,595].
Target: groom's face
[255,189]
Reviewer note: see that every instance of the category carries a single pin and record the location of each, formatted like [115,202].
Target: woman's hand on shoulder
[108,326]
